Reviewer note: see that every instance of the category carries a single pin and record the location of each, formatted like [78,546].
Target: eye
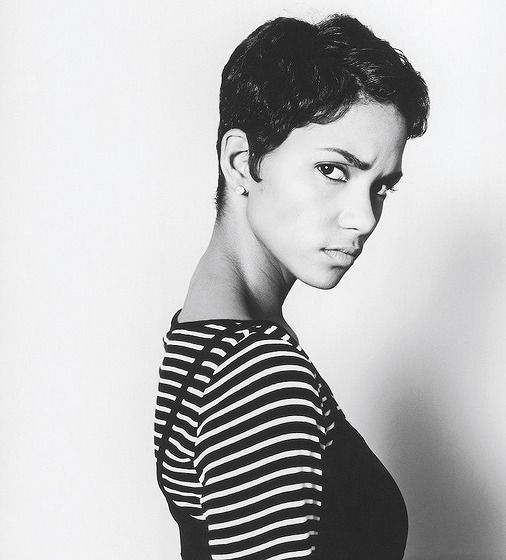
[332,172]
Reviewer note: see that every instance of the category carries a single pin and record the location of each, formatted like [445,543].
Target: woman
[254,456]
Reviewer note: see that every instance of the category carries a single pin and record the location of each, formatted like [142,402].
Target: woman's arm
[258,454]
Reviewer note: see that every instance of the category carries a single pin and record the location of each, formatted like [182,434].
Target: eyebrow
[362,165]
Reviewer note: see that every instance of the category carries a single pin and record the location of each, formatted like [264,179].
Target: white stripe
[181,482]
[173,369]
[177,469]
[263,374]
[229,340]
[193,333]
[260,463]
[163,408]
[251,361]
[265,408]
[240,419]
[250,450]
[182,431]
[178,459]
[245,417]
[180,447]
[264,529]
[257,430]
[181,357]
[164,381]
[169,396]
[263,496]
[294,554]
[257,481]
[180,493]
[263,546]
[209,364]
[194,391]
[187,505]
[185,344]
[263,513]
[249,348]
[187,419]
[190,405]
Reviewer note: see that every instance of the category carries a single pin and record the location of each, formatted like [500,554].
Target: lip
[353,251]
[342,257]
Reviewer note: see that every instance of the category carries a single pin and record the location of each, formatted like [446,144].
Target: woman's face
[322,192]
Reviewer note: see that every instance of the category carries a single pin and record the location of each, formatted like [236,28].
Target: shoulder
[265,348]
[258,368]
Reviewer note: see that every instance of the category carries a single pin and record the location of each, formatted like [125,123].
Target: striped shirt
[242,423]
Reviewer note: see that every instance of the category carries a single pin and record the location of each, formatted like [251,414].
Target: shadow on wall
[438,415]
[450,508]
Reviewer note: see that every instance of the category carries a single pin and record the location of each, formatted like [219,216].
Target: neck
[237,277]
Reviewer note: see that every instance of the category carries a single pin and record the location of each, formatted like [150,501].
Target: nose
[358,211]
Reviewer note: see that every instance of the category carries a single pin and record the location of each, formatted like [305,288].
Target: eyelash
[344,172]
[333,166]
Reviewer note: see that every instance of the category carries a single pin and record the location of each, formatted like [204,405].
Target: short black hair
[289,73]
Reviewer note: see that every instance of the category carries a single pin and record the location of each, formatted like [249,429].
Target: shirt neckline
[175,323]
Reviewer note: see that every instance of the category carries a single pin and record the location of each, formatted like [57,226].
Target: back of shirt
[242,422]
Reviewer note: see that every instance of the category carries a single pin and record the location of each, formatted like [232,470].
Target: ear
[234,156]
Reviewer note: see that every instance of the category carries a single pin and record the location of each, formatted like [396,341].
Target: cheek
[287,221]
[273,218]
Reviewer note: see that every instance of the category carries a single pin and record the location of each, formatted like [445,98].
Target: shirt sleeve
[258,454]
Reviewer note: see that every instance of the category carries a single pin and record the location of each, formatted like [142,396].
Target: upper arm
[258,455]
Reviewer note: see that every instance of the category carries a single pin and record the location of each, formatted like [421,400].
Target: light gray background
[108,115]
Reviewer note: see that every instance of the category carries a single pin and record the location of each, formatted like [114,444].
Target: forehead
[368,130]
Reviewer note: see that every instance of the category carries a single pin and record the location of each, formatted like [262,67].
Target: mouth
[343,257]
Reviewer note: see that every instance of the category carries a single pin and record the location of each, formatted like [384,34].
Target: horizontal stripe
[256,377]
[182,357]
[257,481]
[240,366]
[263,496]
[184,343]
[252,467]
[255,431]
[265,528]
[263,513]
[187,419]
[179,469]
[266,408]
[242,419]
[253,448]
[269,544]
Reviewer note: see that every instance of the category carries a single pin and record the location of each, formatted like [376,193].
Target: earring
[240,189]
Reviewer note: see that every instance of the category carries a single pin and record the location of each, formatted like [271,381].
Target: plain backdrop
[108,116]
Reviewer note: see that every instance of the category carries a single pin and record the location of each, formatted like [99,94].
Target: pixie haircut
[289,73]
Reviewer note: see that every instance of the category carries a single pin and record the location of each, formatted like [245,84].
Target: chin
[323,281]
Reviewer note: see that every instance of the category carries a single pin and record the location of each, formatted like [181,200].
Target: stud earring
[240,189]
